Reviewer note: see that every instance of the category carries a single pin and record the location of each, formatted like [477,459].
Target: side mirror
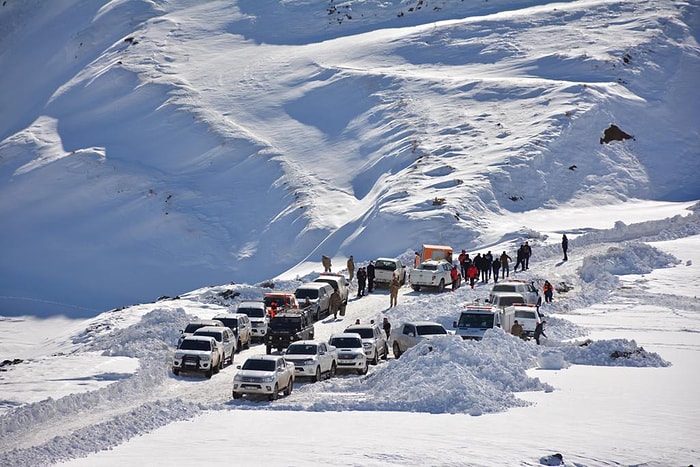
[454,324]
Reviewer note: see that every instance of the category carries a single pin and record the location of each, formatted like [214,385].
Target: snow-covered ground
[189,149]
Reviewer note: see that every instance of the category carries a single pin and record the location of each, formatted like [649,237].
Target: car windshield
[430,329]
[527,314]
[195,344]
[285,322]
[259,365]
[428,267]
[330,282]
[231,323]
[475,320]
[192,327]
[346,342]
[215,335]
[301,294]
[301,349]
[386,265]
[503,288]
[252,312]
[365,333]
[507,301]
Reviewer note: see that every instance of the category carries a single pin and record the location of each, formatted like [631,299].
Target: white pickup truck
[313,359]
[409,334]
[266,375]
[432,273]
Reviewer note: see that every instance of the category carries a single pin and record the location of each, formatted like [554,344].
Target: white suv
[264,374]
[373,341]
[259,319]
[224,337]
[241,327]
[351,352]
[527,289]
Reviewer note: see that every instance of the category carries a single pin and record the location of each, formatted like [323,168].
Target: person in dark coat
[495,266]
[489,260]
[361,281]
[520,258]
[370,276]
[527,252]
[539,331]
[505,265]
[565,246]
[387,326]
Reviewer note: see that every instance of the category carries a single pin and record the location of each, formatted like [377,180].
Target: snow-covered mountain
[148,148]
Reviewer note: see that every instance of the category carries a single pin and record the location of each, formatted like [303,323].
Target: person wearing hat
[516,329]
[539,331]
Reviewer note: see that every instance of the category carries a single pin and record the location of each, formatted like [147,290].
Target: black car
[287,327]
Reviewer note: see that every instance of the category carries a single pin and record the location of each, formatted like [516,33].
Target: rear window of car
[330,282]
[475,320]
[191,328]
[365,333]
[301,294]
[215,335]
[428,267]
[525,314]
[503,288]
[386,265]
[427,330]
[507,301]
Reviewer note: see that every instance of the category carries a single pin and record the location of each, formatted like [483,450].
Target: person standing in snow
[489,260]
[326,262]
[548,291]
[565,246]
[351,267]
[370,277]
[495,265]
[361,280]
[472,274]
[527,252]
[462,258]
[387,326]
[454,274]
[505,265]
[394,291]
[335,303]
[516,329]
[539,331]
[520,258]
[416,260]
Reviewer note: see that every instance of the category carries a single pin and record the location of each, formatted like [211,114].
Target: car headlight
[309,361]
[179,355]
[205,358]
[238,377]
[367,345]
[267,379]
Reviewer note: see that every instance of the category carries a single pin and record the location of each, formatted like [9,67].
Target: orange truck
[436,252]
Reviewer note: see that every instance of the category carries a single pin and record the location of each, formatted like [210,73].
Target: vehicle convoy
[225,339]
[527,289]
[199,354]
[313,359]
[386,269]
[373,341]
[239,323]
[319,294]
[287,327]
[194,325]
[408,334]
[474,321]
[436,252]
[265,375]
[527,315]
[351,352]
[339,283]
[434,274]
[259,319]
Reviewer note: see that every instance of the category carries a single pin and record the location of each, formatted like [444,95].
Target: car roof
[313,285]
[230,315]
[508,294]
[208,322]
[279,294]
[386,259]
[306,342]
[252,302]
[264,357]
[423,323]
[511,282]
[478,308]
[359,326]
[346,334]
[211,329]
[199,338]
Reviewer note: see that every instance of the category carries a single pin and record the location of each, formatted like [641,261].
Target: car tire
[268,349]
[176,371]
[247,344]
[396,349]
[334,370]
[416,287]
[290,387]
[441,286]
[364,370]
[386,352]
[317,376]
[375,360]
[239,346]
[208,373]
[236,395]
[275,393]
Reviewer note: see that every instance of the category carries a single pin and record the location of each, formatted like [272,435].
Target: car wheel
[239,346]
[237,395]
[441,286]
[396,349]
[416,287]
[247,344]
[375,360]
[364,370]
[216,368]
[334,370]
[385,355]
[208,373]
[268,349]
[176,371]
[290,387]
[317,376]
[275,393]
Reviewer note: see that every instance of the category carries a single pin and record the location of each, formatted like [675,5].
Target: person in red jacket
[455,277]
[472,274]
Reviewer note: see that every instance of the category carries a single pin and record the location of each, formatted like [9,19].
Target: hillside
[151,148]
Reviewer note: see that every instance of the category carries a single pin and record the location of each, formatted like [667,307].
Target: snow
[187,150]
